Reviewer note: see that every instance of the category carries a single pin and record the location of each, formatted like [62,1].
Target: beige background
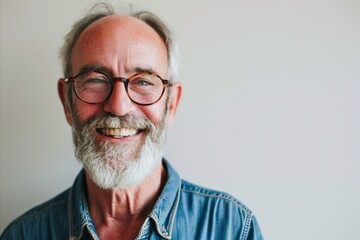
[270,111]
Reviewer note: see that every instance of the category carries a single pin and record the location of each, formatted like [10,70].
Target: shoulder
[208,195]
[37,219]
[55,204]
[209,213]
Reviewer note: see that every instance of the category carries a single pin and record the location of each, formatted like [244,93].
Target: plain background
[270,111]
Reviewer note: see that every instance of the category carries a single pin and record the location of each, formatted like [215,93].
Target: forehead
[120,43]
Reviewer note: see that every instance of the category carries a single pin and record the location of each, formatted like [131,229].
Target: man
[119,99]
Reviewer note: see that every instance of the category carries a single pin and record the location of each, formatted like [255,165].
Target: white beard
[119,166]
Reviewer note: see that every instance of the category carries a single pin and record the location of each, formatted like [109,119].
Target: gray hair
[104,9]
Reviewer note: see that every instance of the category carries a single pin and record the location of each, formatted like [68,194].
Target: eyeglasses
[143,88]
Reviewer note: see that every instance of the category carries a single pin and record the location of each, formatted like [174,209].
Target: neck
[133,203]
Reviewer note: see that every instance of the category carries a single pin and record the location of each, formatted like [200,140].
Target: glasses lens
[145,88]
[92,87]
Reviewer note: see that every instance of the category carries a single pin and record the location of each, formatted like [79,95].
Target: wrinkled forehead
[115,36]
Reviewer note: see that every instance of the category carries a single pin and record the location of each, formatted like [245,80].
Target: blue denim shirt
[183,211]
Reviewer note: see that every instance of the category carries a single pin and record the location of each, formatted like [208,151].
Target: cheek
[155,112]
[84,110]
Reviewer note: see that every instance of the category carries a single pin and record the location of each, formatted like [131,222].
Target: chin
[136,172]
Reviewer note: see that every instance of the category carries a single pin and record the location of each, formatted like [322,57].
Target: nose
[119,103]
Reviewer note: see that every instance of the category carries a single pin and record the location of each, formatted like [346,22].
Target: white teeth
[127,132]
[118,132]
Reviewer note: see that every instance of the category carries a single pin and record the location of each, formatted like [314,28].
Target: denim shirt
[183,211]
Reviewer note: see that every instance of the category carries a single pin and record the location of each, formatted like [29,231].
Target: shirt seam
[70,211]
[246,228]
[248,212]
[228,198]
[173,213]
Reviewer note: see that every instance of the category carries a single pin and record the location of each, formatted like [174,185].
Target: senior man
[119,98]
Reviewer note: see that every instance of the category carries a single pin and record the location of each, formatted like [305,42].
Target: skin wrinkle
[133,197]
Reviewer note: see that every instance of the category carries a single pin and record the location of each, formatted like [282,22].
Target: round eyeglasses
[143,88]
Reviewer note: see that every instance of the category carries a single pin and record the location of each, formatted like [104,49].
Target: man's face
[121,45]
[118,135]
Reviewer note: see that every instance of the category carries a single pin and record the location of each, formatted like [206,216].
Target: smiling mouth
[118,132]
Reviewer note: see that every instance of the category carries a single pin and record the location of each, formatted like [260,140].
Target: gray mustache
[126,121]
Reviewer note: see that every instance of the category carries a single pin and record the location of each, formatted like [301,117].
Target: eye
[141,82]
[92,79]
[92,82]
[145,80]
[95,81]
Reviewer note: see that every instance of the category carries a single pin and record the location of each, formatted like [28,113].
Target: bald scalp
[119,36]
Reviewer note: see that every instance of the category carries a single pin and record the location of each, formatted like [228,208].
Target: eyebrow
[91,67]
[149,70]
[100,68]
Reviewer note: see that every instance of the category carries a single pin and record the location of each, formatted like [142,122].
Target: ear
[174,102]
[62,94]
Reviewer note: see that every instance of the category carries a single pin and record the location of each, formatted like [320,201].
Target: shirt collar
[165,208]
[163,212]
[79,214]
